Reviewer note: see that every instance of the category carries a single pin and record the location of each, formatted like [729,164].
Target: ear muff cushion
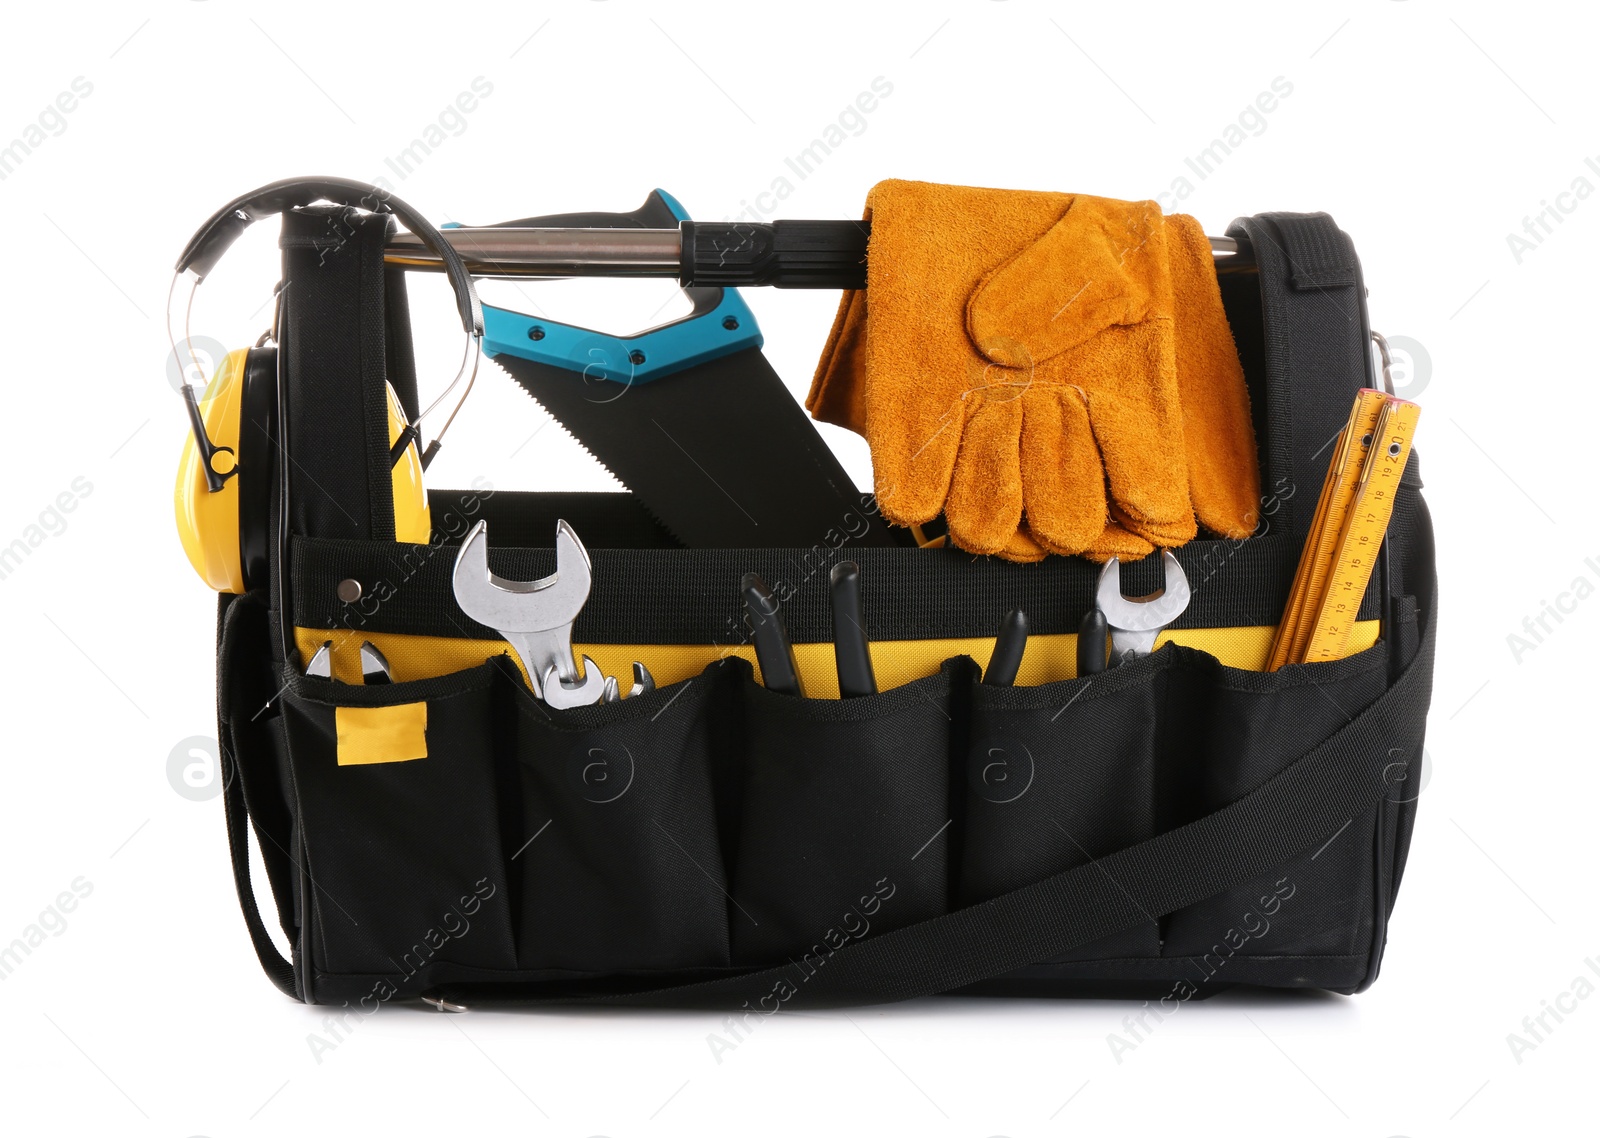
[226,534]
[412,520]
[208,523]
[258,453]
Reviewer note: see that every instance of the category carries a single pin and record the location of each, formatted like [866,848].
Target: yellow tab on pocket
[381,734]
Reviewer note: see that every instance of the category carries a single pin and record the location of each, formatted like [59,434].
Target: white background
[1429,131]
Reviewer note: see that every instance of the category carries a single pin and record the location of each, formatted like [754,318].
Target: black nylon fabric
[1320,256]
[623,862]
[1060,774]
[1304,805]
[841,799]
[1316,357]
[384,894]
[1245,724]
[332,347]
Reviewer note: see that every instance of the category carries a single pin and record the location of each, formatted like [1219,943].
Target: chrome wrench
[534,617]
[1135,622]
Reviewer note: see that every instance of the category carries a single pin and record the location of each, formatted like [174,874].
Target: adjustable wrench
[534,617]
[1135,622]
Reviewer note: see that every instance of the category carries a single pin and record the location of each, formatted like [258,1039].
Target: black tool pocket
[1322,903]
[402,804]
[844,818]
[1059,775]
[618,856]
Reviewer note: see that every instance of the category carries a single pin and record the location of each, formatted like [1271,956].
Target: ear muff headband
[224,529]
[223,228]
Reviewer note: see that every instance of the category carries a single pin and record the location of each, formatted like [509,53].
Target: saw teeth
[535,400]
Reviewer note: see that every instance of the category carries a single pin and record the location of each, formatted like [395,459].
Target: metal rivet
[636,356]
[349,590]
[536,333]
[731,323]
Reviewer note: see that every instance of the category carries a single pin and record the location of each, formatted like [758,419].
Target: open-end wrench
[534,617]
[1135,622]
[643,681]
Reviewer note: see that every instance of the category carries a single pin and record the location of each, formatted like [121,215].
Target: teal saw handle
[718,324]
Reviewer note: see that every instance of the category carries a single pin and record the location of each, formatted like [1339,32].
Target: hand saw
[689,416]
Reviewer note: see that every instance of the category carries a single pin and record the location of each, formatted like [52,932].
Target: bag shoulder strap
[235,807]
[278,970]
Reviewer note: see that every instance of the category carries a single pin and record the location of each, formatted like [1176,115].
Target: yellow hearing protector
[213,527]
[223,497]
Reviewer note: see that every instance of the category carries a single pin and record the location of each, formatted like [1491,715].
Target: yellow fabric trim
[896,661]
[381,734]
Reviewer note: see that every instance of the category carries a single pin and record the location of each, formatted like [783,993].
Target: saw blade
[719,453]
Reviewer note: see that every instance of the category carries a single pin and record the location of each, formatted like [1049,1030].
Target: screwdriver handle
[773,651]
[850,649]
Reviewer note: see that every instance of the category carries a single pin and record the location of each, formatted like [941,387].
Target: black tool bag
[1168,828]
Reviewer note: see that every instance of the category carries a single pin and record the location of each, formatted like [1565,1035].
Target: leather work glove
[1052,372]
